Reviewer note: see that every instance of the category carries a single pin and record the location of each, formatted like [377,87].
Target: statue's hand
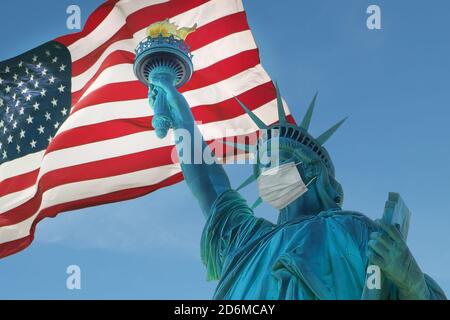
[178,106]
[389,251]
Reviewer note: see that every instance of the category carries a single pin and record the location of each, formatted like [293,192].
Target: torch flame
[166,29]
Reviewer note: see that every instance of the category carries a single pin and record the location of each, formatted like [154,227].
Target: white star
[10,139]
[52,79]
[44,72]
[20,83]
[39,65]
[1,81]
[62,67]
[49,139]
[2,124]
[21,111]
[4,154]
[36,84]
[11,117]
[56,125]
[18,148]
[22,134]
[7,69]
[28,97]
[14,96]
[30,119]
[1,102]
[15,124]
[35,58]
[54,102]
[36,106]
[47,53]
[55,59]
[47,116]
[27,71]
[64,111]
[43,92]
[20,64]
[8,89]
[24,90]
[15,76]
[17,103]
[32,77]
[61,88]
[33,144]
[41,129]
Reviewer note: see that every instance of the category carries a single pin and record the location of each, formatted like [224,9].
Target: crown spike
[307,119]
[327,134]
[247,181]
[281,113]
[256,120]
[257,203]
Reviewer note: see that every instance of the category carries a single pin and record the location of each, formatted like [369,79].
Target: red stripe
[99,132]
[207,34]
[222,70]
[12,247]
[217,29]
[91,24]
[135,22]
[134,90]
[17,183]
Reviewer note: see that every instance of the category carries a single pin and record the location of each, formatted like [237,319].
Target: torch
[163,52]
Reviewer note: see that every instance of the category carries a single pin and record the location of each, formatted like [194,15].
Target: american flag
[75,124]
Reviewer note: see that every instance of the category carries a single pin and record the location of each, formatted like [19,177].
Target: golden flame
[166,29]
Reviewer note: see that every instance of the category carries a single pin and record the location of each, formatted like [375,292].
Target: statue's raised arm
[206,181]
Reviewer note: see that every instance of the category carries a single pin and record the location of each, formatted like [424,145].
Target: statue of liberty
[316,250]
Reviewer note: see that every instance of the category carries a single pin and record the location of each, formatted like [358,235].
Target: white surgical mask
[280,186]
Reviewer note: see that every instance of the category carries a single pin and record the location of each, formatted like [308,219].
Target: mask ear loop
[311,181]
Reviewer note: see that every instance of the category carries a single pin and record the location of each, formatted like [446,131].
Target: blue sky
[392,83]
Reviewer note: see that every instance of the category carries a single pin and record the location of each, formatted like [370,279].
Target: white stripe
[87,189]
[128,109]
[223,48]
[15,199]
[146,141]
[202,15]
[20,166]
[115,74]
[228,88]
[115,20]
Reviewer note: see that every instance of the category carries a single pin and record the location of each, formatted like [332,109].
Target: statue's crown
[289,137]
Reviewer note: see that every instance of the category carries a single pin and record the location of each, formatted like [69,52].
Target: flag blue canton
[35,99]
